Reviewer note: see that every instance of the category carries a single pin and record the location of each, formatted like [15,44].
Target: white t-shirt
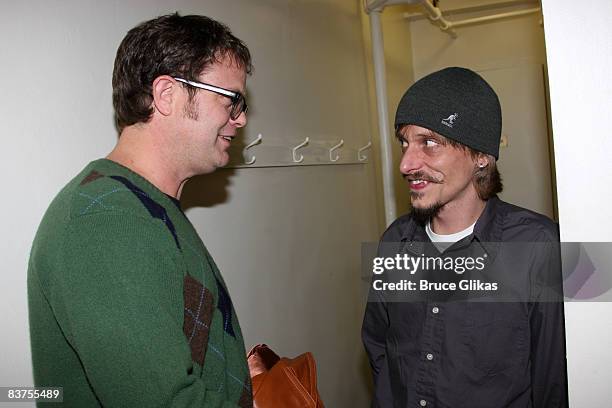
[442,242]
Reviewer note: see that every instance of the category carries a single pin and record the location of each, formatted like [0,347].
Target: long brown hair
[487,180]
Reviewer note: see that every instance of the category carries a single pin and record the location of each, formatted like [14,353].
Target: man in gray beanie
[436,351]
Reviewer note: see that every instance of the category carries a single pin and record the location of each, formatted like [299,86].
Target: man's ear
[482,161]
[164,92]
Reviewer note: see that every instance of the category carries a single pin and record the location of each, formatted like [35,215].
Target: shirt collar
[487,229]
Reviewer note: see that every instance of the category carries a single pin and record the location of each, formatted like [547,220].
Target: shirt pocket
[495,338]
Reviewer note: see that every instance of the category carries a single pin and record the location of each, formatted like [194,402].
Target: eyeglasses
[239,104]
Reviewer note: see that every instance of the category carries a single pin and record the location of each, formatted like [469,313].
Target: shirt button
[435,310]
[423,403]
[429,356]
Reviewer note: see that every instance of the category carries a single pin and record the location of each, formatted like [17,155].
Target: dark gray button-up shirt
[447,353]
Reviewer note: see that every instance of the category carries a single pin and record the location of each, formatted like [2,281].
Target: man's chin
[423,213]
[223,159]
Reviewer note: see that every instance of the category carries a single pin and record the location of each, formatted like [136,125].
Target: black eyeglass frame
[239,104]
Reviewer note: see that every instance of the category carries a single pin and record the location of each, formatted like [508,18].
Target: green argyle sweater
[127,307]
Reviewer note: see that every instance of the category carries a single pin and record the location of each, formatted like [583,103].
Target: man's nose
[240,121]
[412,160]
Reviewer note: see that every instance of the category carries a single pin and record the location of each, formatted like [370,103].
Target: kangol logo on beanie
[450,121]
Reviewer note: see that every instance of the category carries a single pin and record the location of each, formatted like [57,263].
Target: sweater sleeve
[119,302]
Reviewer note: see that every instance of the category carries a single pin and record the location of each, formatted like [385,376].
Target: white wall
[286,239]
[579,50]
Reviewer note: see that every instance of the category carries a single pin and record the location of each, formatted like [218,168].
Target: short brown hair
[168,45]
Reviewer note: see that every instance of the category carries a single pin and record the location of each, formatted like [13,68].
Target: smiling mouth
[228,138]
[418,184]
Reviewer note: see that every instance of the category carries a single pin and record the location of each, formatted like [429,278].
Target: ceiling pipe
[494,17]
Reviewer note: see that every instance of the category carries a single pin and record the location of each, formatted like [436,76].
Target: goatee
[422,215]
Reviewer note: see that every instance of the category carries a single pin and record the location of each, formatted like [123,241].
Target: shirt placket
[430,359]
[430,348]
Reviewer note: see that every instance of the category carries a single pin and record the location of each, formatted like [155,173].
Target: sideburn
[190,109]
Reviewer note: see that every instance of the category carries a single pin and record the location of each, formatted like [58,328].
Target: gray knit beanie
[456,103]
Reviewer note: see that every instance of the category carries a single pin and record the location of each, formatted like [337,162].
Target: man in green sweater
[127,307]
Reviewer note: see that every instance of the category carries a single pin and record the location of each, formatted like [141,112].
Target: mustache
[419,175]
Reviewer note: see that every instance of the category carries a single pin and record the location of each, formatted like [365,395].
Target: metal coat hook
[335,148]
[359,156]
[301,158]
[247,147]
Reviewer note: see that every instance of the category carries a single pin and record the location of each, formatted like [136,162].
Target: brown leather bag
[283,382]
